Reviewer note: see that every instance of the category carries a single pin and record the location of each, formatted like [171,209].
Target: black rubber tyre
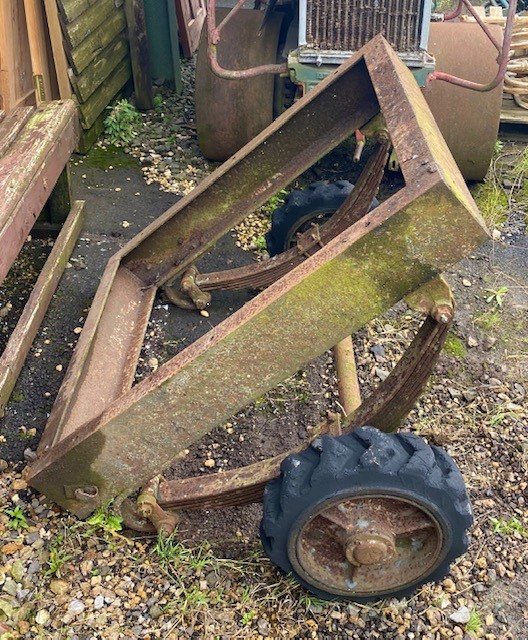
[318,202]
[366,462]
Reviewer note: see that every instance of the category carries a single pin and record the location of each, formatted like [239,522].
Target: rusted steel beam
[384,408]
[29,169]
[298,138]
[21,339]
[429,224]
[188,229]
[105,359]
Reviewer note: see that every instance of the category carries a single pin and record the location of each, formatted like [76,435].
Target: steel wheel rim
[327,560]
[319,217]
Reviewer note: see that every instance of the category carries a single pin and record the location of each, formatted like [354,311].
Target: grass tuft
[492,202]
[17,518]
[454,346]
[474,624]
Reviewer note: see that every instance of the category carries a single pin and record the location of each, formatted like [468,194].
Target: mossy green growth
[492,202]
[17,396]
[454,346]
[488,320]
[109,156]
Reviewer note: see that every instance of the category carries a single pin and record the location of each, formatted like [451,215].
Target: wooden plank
[72,9]
[57,45]
[191,16]
[21,339]
[16,82]
[87,22]
[514,115]
[37,45]
[90,47]
[30,170]
[175,42]
[101,98]
[12,125]
[139,54]
[97,73]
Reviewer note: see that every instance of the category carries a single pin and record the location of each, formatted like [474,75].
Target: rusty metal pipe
[482,25]
[347,379]
[503,58]
[213,38]
[451,15]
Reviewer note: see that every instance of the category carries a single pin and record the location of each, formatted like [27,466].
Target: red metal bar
[213,38]
[482,25]
[502,59]
[453,14]
[230,15]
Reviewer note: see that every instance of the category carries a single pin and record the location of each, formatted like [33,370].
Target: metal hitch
[113,437]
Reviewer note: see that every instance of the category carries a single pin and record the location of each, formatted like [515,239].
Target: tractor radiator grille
[347,25]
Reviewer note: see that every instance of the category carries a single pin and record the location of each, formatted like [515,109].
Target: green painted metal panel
[162,31]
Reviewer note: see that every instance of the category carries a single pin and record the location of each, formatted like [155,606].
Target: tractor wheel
[366,515]
[230,113]
[317,203]
[468,120]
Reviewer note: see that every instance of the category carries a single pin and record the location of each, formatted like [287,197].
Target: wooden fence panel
[16,74]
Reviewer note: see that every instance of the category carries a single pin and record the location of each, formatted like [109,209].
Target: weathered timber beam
[30,169]
[21,339]
[139,54]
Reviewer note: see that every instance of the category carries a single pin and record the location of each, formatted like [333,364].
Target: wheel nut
[370,550]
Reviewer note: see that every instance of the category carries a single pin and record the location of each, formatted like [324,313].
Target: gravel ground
[61,578]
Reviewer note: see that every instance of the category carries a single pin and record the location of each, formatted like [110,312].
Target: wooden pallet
[35,146]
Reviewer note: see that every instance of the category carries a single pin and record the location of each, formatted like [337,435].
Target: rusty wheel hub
[366,545]
[373,548]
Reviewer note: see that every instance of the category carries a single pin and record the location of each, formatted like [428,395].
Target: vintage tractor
[253,64]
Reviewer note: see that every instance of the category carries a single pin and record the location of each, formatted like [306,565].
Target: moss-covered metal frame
[105,437]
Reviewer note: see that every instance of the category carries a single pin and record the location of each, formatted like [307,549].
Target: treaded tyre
[315,204]
[366,515]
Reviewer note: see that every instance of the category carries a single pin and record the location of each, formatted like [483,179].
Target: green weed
[17,519]
[492,202]
[508,527]
[308,602]
[247,617]
[58,557]
[496,296]
[122,123]
[260,243]
[488,320]
[474,624]
[275,202]
[104,519]
[174,553]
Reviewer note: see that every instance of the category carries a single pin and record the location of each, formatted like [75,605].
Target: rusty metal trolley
[358,512]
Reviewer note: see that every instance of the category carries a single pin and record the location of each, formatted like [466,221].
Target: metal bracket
[435,299]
